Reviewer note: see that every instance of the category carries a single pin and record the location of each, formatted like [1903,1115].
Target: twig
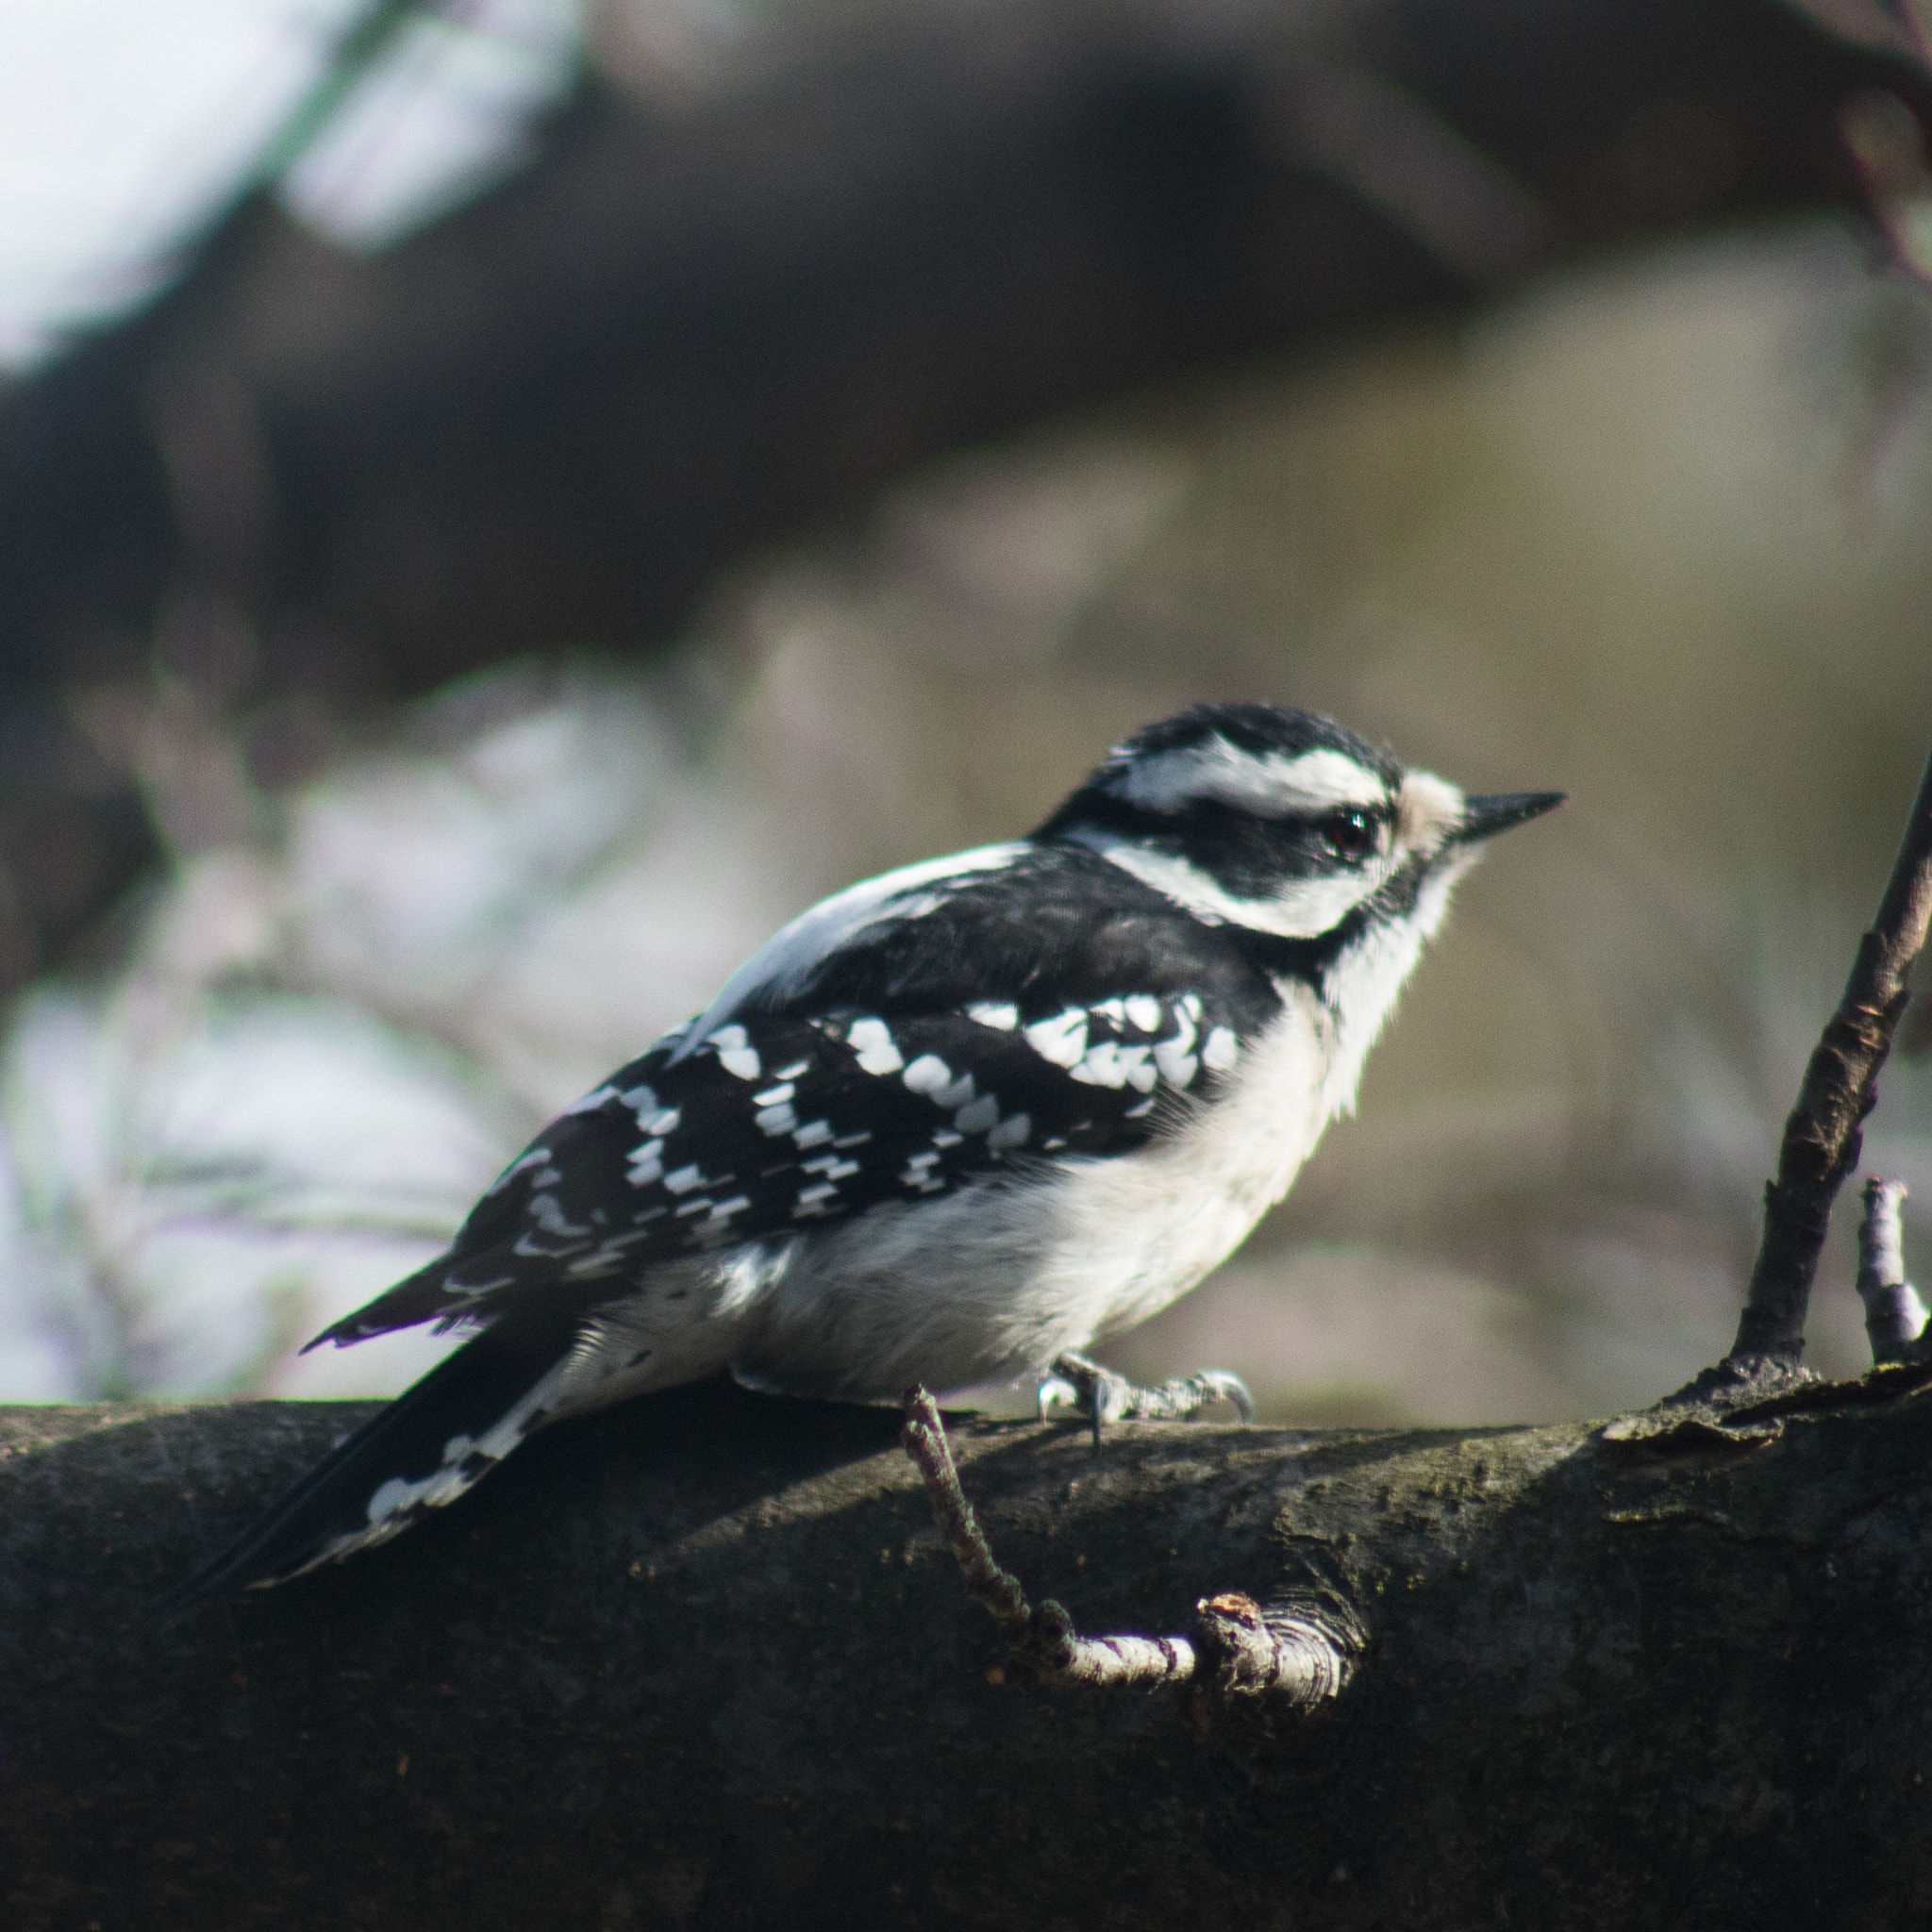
[1894,1315]
[1044,1636]
[1822,1139]
[1295,1652]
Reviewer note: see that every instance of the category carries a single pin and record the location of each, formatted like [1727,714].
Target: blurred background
[504,502]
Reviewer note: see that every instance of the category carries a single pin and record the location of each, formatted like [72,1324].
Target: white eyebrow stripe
[1271,782]
[783,963]
[1302,909]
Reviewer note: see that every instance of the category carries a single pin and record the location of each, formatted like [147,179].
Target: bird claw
[1084,1386]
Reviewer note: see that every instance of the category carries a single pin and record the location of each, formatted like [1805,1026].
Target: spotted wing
[779,1125]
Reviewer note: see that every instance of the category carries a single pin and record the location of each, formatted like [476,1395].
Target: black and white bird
[949,1126]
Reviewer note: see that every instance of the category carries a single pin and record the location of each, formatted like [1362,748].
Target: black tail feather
[463,1395]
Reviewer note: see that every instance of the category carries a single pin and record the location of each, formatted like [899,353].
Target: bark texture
[706,1660]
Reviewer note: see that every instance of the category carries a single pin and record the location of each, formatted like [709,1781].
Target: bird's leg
[1081,1384]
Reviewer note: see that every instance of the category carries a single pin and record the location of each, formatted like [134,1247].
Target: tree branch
[703,1660]
[1822,1139]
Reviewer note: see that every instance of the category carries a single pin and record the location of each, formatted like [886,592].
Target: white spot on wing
[1061,1040]
[917,1175]
[549,1216]
[1143,1010]
[1110,1064]
[1002,1015]
[1011,1132]
[1102,1066]
[978,1115]
[871,1040]
[830,1167]
[736,1054]
[1174,1056]
[397,1493]
[719,1219]
[1221,1052]
[929,1073]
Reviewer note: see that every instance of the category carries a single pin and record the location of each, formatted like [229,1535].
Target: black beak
[1495,811]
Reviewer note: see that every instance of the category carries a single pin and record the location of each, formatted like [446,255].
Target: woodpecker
[949,1126]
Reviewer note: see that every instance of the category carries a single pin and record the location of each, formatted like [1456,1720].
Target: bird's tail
[428,1446]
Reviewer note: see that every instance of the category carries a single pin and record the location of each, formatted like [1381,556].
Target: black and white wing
[968,1028]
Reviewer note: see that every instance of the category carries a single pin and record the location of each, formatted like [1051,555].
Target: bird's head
[1284,823]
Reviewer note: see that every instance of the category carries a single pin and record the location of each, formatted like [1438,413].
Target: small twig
[1241,1649]
[1822,1139]
[1894,1315]
[1044,1636]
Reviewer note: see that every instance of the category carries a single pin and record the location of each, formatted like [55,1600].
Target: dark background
[425,668]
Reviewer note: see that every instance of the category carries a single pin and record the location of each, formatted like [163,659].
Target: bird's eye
[1349,834]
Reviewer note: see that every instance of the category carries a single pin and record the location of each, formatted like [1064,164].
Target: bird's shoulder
[1046,926]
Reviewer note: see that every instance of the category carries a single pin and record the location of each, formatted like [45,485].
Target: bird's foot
[1082,1385]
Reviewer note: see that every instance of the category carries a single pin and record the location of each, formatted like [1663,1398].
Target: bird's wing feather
[778,1125]
[891,1074]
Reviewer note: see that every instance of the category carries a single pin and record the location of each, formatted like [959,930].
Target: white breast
[1134,1233]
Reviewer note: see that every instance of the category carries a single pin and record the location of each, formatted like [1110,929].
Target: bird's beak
[1492,813]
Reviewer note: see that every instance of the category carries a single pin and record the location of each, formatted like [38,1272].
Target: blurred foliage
[1657,533]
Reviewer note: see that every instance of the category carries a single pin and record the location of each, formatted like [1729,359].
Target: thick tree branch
[703,1661]
[1822,1139]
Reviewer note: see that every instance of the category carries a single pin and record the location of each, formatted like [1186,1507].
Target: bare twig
[1241,1649]
[1044,1637]
[1822,1139]
[1894,1315]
